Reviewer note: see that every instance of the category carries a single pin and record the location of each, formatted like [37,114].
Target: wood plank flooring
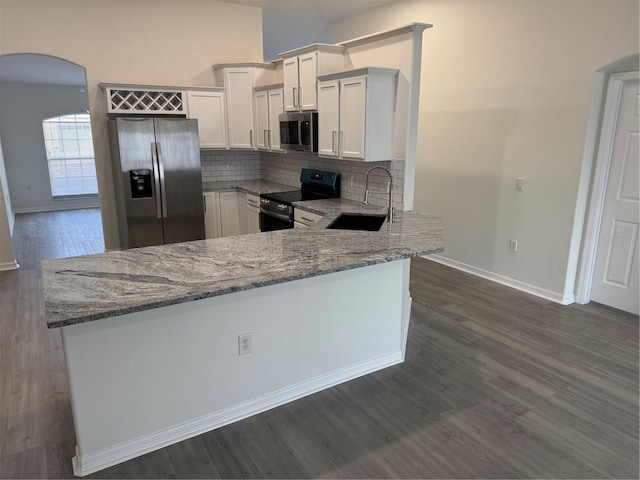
[496,384]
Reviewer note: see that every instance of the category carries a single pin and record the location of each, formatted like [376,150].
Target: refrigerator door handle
[163,188]
[156,178]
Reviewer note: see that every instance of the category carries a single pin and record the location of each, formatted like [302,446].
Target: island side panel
[142,381]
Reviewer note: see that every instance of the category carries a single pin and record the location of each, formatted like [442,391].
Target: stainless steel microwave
[299,131]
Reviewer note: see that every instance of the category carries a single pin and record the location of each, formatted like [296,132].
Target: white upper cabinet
[268,103]
[276,108]
[238,85]
[356,111]
[208,107]
[328,118]
[261,116]
[300,71]
[290,74]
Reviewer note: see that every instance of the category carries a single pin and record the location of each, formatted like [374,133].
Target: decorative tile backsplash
[285,168]
[223,165]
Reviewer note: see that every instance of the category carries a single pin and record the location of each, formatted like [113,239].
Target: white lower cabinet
[212,219]
[242,213]
[225,214]
[253,213]
[304,219]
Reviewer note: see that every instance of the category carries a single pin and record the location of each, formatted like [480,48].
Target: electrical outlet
[520,184]
[244,343]
[29,187]
[513,245]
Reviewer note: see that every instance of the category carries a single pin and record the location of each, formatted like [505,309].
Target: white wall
[7,258]
[284,31]
[24,107]
[138,41]
[505,92]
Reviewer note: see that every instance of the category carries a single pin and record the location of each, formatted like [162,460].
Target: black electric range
[276,209]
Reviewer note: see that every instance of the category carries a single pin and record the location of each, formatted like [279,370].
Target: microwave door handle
[300,134]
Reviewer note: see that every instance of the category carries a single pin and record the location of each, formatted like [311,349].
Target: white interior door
[616,271]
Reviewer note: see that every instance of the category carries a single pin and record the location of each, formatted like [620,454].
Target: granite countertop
[256,187]
[92,287]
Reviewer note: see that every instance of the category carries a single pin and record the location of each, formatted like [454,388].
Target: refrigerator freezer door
[143,224]
[179,162]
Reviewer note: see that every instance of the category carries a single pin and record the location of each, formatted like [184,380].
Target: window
[69,146]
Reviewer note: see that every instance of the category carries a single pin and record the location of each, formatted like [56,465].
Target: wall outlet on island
[244,343]
[513,245]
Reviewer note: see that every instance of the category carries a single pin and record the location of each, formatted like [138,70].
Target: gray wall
[283,31]
[24,106]
[7,259]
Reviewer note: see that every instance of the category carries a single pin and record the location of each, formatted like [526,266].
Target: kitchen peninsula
[151,335]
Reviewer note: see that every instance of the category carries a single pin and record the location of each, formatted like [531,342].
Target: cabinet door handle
[269,137]
[266,140]
[294,98]
[333,141]
[341,143]
[251,137]
[300,97]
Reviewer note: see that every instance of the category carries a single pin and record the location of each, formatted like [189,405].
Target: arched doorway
[45,145]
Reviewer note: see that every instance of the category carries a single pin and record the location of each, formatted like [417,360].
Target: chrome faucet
[389,187]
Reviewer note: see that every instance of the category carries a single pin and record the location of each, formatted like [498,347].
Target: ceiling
[327,10]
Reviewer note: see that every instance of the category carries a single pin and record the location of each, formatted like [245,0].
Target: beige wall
[134,41]
[505,92]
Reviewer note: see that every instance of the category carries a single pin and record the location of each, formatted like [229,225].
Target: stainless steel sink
[352,221]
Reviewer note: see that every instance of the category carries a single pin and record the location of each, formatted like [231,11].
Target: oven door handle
[275,215]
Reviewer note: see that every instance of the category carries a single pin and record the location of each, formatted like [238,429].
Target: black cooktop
[291,196]
[315,184]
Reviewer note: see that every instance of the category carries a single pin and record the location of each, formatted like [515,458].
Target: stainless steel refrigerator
[158,180]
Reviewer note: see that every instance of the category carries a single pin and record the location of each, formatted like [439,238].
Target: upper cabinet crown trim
[411,27]
[157,88]
[358,72]
[319,47]
[218,66]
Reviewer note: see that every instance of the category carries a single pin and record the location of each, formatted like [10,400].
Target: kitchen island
[152,335]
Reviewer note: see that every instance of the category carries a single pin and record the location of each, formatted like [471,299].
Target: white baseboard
[4,266]
[503,280]
[55,208]
[86,464]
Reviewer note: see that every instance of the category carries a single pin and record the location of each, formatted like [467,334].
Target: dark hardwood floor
[496,384]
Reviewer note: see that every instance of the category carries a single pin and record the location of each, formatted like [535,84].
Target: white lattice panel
[145,101]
